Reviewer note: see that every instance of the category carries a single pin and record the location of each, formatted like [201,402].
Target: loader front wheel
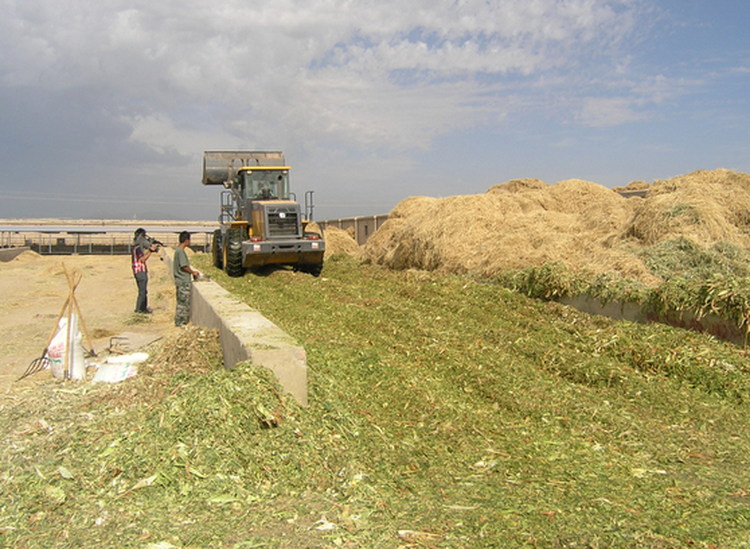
[233,253]
[217,250]
[314,269]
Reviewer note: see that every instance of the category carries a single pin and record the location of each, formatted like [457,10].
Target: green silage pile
[444,412]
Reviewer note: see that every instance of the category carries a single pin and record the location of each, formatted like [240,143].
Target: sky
[106,106]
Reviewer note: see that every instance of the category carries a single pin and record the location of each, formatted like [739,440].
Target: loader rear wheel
[217,250]
[233,253]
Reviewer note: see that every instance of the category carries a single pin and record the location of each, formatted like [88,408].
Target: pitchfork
[43,362]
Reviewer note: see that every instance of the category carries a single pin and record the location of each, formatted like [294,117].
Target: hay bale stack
[340,242]
[704,206]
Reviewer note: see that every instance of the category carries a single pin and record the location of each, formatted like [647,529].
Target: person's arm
[139,256]
[189,269]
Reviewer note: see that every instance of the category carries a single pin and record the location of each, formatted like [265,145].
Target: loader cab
[264,182]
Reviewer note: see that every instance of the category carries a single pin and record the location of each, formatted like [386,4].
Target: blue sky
[106,107]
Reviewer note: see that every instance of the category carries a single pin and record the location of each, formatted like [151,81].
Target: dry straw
[586,226]
[339,241]
[705,207]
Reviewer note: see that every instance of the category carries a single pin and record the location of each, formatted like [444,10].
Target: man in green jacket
[183,280]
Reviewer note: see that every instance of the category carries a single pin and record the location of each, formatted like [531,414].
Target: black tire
[314,269]
[217,250]
[233,253]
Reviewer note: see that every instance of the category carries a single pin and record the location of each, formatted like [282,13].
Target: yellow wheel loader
[260,224]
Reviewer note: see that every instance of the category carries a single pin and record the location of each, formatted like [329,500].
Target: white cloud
[381,73]
[381,89]
[608,111]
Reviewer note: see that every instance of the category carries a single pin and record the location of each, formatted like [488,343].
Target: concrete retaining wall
[247,335]
[717,326]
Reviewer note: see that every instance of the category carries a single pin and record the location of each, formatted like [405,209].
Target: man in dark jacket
[142,250]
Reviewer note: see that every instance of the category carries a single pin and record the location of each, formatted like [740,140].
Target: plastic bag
[58,349]
[119,368]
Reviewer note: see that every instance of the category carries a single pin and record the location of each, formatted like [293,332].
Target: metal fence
[91,239]
[117,238]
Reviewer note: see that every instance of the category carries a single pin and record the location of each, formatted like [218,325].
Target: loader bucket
[221,166]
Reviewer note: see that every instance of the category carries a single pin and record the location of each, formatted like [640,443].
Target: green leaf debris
[443,412]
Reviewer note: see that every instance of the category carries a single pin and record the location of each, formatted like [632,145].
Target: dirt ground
[34,291]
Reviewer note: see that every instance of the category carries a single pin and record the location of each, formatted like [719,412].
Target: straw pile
[525,222]
[633,186]
[337,241]
[340,242]
[705,207]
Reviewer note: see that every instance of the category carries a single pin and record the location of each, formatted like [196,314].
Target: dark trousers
[141,304]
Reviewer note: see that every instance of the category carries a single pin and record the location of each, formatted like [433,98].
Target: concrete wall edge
[245,334]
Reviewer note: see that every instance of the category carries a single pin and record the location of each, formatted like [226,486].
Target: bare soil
[34,292]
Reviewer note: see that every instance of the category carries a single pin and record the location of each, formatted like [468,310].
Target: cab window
[266,184]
